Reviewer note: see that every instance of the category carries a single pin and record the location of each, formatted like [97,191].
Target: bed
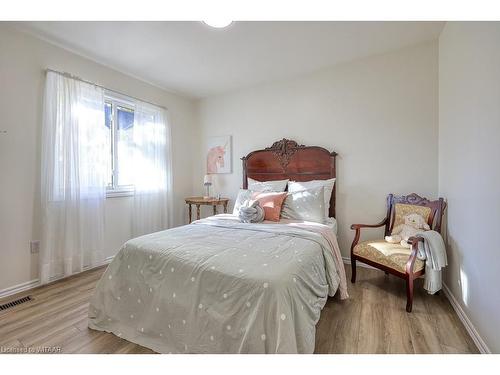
[222,286]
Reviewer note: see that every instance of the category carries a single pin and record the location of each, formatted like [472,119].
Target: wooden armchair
[394,258]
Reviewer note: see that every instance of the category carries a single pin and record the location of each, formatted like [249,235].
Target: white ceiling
[196,60]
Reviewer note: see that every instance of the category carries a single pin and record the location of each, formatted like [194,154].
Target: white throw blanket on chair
[433,251]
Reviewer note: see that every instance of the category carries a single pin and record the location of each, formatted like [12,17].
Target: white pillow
[327,184]
[305,205]
[267,186]
[243,196]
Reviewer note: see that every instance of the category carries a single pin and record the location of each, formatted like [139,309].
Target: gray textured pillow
[307,205]
[251,212]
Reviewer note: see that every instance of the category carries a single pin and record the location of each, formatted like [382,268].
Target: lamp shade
[207,179]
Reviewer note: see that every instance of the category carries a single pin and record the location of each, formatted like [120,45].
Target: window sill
[119,193]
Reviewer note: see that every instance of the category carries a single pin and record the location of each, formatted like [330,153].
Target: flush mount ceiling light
[218,23]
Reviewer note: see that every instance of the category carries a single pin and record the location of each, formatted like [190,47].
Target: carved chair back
[436,207]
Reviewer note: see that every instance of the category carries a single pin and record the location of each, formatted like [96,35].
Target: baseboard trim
[28,285]
[19,288]
[347,260]
[474,334]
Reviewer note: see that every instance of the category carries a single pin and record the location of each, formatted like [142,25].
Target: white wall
[469,174]
[380,114]
[22,62]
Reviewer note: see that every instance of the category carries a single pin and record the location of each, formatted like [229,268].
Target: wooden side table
[200,201]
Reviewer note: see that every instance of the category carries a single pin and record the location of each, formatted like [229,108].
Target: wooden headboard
[287,159]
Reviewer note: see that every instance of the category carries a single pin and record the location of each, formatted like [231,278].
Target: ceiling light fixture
[218,23]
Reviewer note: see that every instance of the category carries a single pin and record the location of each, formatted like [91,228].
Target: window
[119,121]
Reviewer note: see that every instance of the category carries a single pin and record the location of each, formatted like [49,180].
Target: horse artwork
[219,154]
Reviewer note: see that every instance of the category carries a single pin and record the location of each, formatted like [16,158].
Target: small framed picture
[219,154]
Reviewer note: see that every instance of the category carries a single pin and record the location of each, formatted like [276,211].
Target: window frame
[114,190]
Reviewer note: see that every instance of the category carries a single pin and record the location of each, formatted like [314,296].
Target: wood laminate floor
[372,320]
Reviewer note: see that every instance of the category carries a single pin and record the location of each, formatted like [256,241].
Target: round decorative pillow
[251,212]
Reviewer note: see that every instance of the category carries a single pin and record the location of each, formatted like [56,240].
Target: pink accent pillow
[271,203]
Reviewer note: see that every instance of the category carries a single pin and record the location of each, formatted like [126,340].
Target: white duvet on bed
[220,286]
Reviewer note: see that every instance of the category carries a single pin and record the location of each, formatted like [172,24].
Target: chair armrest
[359,226]
[413,255]
[415,240]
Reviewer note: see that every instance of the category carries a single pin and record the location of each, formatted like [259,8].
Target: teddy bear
[413,225]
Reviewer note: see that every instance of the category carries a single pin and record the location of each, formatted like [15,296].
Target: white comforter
[220,286]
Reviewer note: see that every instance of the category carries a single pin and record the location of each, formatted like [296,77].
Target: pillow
[251,212]
[305,205]
[327,184]
[276,186]
[271,203]
[243,196]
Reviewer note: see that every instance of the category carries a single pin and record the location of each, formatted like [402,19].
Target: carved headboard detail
[288,159]
[284,150]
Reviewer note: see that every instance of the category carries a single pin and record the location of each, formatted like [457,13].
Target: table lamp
[207,181]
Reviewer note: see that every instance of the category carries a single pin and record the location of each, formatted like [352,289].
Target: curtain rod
[69,75]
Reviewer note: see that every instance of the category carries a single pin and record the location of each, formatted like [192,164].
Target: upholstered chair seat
[391,255]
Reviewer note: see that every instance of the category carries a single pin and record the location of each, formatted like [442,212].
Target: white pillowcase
[243,196]
[326,184]
[267,186]
[305,205]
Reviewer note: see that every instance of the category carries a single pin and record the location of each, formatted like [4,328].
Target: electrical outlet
[34,246]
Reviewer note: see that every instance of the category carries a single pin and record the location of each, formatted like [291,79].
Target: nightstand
[200,201]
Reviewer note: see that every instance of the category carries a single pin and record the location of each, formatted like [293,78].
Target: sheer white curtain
[74,171]
[152,170]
